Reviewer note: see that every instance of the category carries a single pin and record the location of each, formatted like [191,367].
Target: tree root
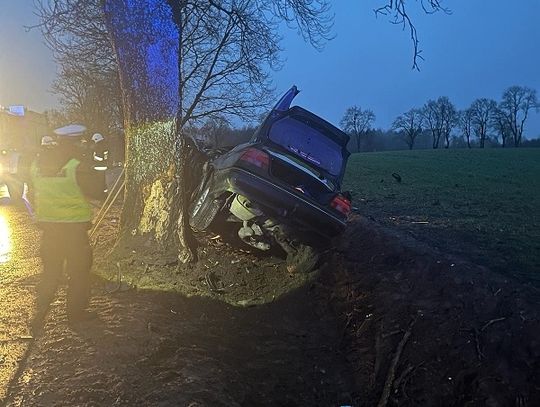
[477,336]
[487,324]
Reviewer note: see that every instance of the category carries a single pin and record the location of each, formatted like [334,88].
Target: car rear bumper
[277,201]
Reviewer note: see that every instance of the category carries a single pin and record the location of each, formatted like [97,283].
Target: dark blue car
[283,186]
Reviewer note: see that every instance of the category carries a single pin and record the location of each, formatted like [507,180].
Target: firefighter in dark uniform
[100,155]
[62,181]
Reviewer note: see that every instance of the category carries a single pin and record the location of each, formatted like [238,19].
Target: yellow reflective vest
[60,199]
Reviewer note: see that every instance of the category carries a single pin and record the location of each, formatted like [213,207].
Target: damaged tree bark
[155,202]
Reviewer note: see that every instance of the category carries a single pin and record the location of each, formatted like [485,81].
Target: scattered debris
[212,282]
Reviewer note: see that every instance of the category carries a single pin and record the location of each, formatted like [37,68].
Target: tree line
[484,122]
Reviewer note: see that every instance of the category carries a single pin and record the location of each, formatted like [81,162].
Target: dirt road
[19,266]
[152,348]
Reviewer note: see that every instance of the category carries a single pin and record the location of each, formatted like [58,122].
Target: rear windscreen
[308,143]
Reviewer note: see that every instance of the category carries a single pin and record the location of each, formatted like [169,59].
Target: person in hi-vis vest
[63,179]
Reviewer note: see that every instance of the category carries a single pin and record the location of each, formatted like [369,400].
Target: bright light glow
[5,239]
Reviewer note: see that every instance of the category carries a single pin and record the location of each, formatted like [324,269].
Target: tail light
[256,158]
[341,204]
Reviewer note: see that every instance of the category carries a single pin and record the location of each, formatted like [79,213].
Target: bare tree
[87,81]
[516,103]
[357,122]
[214,129]
[92,99]
[440,116]
[465,123]
[482,111]
[449,118]
[431,120]
[410,124]
[501,124]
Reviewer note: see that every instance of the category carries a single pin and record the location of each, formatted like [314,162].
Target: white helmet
[96,138]
[47,141]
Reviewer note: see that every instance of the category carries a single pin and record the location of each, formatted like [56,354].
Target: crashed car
[282,188]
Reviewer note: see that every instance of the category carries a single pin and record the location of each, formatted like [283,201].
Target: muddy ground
[384,320]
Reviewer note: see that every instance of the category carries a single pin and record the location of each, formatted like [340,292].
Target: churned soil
[384,320]
[432,329]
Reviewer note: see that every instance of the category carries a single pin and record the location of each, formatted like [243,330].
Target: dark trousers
[65,245]
[100,178]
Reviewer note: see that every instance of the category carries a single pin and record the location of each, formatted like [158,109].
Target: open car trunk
[311,146]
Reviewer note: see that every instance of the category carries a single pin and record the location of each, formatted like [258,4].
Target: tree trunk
[149,76]
[436,142]
[517,140]
[186,241]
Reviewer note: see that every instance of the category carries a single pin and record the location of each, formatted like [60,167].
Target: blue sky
[478,51]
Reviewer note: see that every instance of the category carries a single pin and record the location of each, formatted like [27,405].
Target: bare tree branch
[398,13]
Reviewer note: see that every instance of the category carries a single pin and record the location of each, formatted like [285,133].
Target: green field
[480,204]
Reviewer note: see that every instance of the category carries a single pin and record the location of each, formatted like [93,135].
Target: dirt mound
[227,270]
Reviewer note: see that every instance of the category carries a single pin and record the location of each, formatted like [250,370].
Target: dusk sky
[478,51]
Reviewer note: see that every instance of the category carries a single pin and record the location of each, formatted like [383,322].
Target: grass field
[480,204]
